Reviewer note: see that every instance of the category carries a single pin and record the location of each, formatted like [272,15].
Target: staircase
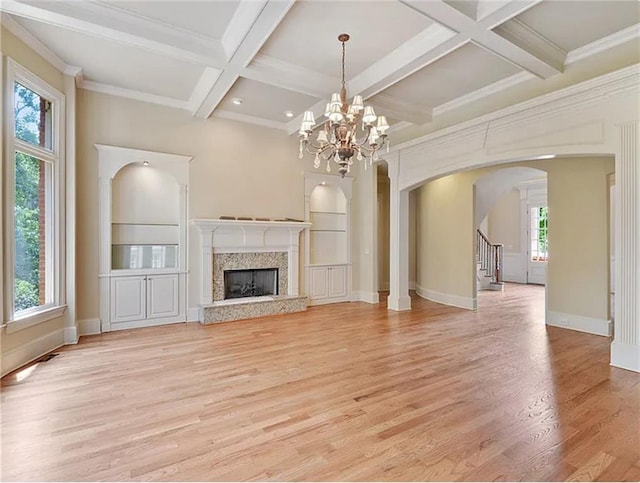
[489,263]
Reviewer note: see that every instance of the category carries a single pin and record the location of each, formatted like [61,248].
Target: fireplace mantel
[246,236]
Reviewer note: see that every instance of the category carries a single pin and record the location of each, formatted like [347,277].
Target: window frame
[55,212]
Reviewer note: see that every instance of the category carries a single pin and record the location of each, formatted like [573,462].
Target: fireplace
[255,282]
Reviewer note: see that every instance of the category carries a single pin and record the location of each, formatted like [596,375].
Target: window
[538,233]
[34,208]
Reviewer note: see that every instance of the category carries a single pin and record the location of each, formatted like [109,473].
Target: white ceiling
[414,60]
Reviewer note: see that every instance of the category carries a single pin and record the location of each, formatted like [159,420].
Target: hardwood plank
[340,392]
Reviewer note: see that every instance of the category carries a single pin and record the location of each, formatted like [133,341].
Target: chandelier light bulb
[369,115]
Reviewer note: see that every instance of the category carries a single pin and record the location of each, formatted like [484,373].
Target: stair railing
[490,256]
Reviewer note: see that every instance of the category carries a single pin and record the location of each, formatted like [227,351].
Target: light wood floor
[341,392]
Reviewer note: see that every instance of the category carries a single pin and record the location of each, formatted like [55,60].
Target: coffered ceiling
[414,60]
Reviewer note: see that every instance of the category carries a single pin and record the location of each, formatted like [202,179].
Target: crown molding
[605,43]
[133,94]
[577,95]
[236,116]
[27,37]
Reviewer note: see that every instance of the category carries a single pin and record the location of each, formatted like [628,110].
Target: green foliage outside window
[543,242]
[26,207]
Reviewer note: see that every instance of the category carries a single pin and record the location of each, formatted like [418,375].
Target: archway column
[399,240]
[625,349]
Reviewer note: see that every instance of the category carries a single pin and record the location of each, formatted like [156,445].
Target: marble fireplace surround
[234,244]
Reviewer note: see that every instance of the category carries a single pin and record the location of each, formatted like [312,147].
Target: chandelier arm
[317,149]
[366,138]
[331,154]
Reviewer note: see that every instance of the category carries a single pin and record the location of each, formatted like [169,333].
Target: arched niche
[142,226]
[328,240]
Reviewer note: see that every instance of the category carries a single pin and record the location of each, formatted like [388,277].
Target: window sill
[30,320]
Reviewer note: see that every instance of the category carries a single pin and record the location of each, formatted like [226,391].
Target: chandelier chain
[343,54]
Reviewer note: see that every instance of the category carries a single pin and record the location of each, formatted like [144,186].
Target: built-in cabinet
[143,237]
[328,254]
[149,298]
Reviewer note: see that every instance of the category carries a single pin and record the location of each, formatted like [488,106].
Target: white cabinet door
[128,296]
[337,281]
[319,283]
[162,296]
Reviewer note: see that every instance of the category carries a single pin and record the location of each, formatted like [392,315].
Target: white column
[293,261]
[625,349]
[104,231]
[206,266]
[398,240]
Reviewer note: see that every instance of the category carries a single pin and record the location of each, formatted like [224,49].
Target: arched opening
[451,208]
[511,233]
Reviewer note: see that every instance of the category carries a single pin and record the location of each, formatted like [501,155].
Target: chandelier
[337,139]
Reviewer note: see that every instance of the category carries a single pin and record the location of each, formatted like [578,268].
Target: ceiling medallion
[337,139]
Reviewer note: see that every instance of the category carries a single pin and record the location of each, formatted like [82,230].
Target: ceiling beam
[481,33]
[266,22]
[115,24]
[279,73]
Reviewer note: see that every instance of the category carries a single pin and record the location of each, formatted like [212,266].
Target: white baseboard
[193,314]
[368,297]
[580,323]
[32,350]
[469,303]
[71,335]
[89,327]
[399,304]
[514,278]
[625,356]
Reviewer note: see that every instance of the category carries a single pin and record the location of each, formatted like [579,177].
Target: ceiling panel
[265,101]
[209,18]
[464,70]
[308,35]
[572,24]
[118,64]
[468,7]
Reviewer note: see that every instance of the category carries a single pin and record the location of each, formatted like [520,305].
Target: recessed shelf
[328,212]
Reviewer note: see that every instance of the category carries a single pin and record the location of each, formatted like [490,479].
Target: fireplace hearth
[250,283]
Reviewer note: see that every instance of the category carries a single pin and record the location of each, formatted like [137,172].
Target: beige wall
[237,169]
[445,235]
[504,222]
[578,269]
[383,232]
[26,340]
[577,272]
